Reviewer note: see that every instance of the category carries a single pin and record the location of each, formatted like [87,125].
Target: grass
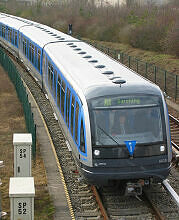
[164,61]
[12,121]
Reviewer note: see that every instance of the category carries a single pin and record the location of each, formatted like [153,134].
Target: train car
[115,121]
[103,91]
[9,30]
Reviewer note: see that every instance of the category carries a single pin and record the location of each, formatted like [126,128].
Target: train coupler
[133,189]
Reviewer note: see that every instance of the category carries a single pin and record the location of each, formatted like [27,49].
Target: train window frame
[82,145]
[68,95]
[48,72]
[63,99]
[32,53]
[8,34]
[58,96]
[35,56]
[4,31]
[20,42]
[23,44]
[26,48]
[54,83]
[77,110]
[13,34]
[15,38]
[72,114]
[39,60]
[51,77]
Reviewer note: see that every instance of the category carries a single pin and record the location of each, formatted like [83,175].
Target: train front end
[130,139]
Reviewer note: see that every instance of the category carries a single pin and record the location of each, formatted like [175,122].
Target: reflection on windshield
[113,127]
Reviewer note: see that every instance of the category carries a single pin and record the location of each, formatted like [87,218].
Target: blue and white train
[93,97]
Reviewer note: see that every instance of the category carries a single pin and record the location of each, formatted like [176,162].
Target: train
[93,96]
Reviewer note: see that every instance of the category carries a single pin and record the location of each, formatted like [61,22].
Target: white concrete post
[22,193]
[22,155]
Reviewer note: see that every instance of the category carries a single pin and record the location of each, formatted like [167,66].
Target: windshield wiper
[108,135]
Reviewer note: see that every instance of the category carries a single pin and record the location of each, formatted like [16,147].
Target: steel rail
[98,199]
[158,214]
[171,191]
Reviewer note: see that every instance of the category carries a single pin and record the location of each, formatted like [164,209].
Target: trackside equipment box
[22,155]
[22,193]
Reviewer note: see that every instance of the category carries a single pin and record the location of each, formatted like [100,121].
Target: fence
[168,82]
[14,75]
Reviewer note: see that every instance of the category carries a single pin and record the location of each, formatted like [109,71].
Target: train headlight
[96,152]
[162,148]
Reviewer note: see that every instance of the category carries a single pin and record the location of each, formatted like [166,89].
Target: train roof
[2,15]
[12,22]
[42,34]
[89,76]
[39,33]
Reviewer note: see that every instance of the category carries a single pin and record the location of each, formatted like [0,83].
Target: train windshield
[126,119]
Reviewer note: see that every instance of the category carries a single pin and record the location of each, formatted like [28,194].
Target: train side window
[9,34]
[23,45]
[63,98]
[68,106]
[76,122]
[58,91]
[12,35]
[54,83]
[49,70]
[12,40]
[82,138]
[16,38]
[35,56]
[72,113]
[39,57]
[44,65]
[4,31]
[25,42]
[51,77]
[32,53]
[27,47]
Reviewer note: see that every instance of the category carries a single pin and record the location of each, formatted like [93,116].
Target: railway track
[83,197]
[174,127]
[150,205]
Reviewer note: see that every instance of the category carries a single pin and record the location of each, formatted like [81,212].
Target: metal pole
[165,81]
[146,66]
[155,72]
[1,212]
[129,61]
[176,87]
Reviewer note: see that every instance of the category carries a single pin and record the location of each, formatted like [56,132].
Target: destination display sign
[125,101]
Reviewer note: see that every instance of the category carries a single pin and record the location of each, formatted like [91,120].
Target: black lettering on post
[24,211]
[20,153]
[20,208]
